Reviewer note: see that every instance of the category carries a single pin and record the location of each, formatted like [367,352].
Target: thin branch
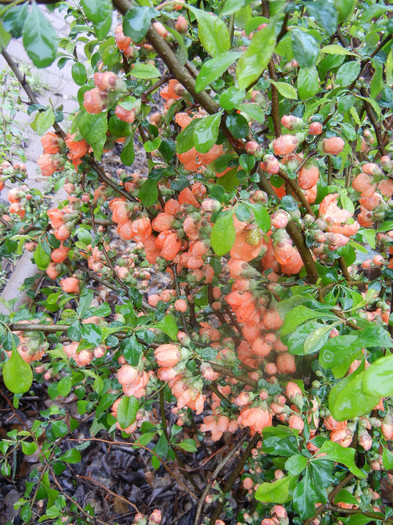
[234,475]
[122,498]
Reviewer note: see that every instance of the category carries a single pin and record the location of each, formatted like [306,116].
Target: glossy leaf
[223,233]
[212,32]
[285,90]
[237,125]
[305,496]
[79,74]
[325,14]
[347,73]
[39,38]
[339,454]
[261,215]
[136,23]
[93,128]
[205,132]
[43,121]
[348,399]
[277,492]
[127,411]
[378,378]
[231,6]
[231,98]
[296,317]
[71,456]
[145,71]
[17,374]
[169,326]
[214,69]
[307,82]
[305,48]
[257,56]
[344,8]
[296,464]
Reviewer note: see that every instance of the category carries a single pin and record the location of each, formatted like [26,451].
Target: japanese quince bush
[236,292]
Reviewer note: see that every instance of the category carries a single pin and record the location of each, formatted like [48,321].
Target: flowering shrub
[239,289]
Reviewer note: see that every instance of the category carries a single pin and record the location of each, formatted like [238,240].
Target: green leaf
[132,350]
[231,6]
[257,56]
[389,68]
[96,10]
[181,51]
[253,111]
[43,121]
[127,411]
[378,378]
[305,48]
[146,438]
[59,428]
[214,68]
[5,37]
[223,233]
[185,139]
[148,193]
[188,445]
[91,334]
[305,496]
[296,317]
[79,73]
[14,20]
[71,456]
[162,446]
[17,374]
[39,38]
[359,519]
[169,326]
[339,454]
[127,155]
[93,128]
[348,400]
[336,49]
[317,338]
[64,386]
[212,32]
[285,90]
[345,8]
[285,446]
[344,496]
[206,131]
[377,81]
[347,73]
[41,258]
[230,98]
[237,125]
[261,215]
[296,464]
[85,301]
[136,23]
[387,459]
[145,71]
[325,14]
[29,448]
[307,82]
[278,492]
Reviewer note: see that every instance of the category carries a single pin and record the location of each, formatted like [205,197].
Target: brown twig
[136,444]
[122,498]
[233,477]
[370,113]
[228,372]
[213,477]
[49,467]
